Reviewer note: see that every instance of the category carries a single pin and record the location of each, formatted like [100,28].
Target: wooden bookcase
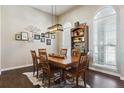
[80,38]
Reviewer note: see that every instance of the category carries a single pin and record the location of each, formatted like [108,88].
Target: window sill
[113,69]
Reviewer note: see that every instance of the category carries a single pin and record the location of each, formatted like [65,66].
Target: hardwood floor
[15,79]
[101,80]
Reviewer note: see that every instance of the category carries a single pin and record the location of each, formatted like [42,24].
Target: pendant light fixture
[55,27]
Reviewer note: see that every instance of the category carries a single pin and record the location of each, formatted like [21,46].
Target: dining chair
[43,53]
[80,70]
[63,51]
[36,64]
[48,73]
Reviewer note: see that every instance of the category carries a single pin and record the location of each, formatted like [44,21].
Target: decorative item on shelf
[75,33]
[55,27]
[24,36]
[81,33]
[36,37]
[18,37]
[76,24]
[42,34]
[47,35]
[52,36]
[48,41]
[82,38]
[42,40]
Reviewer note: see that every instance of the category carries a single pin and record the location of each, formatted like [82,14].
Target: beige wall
[14,20]
[86,14]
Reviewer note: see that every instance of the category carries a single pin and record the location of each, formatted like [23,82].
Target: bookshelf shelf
[79,38]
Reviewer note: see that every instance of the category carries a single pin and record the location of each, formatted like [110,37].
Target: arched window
[105,27]
[66,35]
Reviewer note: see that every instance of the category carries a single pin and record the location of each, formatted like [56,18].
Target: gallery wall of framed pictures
[42,37]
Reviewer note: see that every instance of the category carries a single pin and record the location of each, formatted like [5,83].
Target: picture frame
[42,34]
[42,40]
[24,36]
[48,41]
[36,36]
[52,36]
[47,35]
[18,37]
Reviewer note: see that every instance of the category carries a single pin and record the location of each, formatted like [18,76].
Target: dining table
[63,62]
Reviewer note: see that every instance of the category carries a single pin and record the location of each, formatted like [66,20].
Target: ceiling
[60,9]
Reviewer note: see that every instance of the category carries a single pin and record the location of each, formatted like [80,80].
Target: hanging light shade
[56,27]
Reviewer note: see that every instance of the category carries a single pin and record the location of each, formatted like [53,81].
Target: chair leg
[37,72]
[84,79]
[76,80]
[33,71]
[43,78]
[73,79]
[49,82]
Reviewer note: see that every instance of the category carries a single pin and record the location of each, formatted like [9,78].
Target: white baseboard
[103,71]
[17,67]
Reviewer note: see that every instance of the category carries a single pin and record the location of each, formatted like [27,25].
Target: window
[67,37]
[105,37]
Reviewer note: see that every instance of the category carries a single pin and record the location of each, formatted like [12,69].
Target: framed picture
[48,41]
[47,35]
[52,36]
[42,34]
[18,37]
[37,37]
[42,39]
[24,36]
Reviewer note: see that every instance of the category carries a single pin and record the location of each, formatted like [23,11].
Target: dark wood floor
[15,79]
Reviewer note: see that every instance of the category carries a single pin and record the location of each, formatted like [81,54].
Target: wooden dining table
[64,62]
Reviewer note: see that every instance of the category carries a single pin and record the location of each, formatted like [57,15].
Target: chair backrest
[34,56]
[75,52]
[42,50]
[63,52]
[83,63]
